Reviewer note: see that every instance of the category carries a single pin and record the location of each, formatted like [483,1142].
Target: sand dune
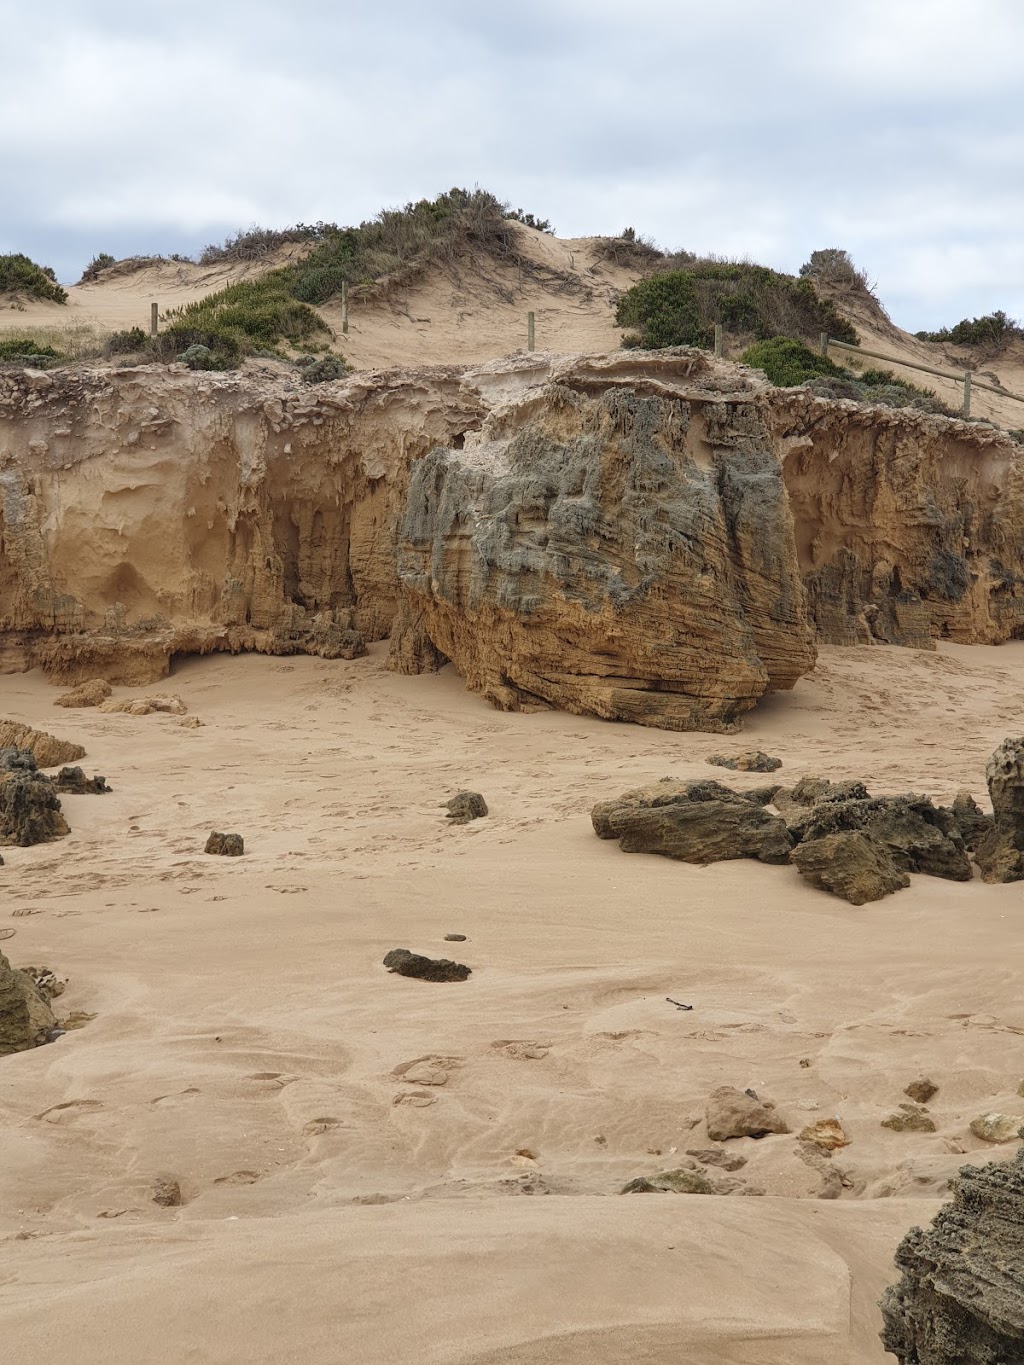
[353,1149]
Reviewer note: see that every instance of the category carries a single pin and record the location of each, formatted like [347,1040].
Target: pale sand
[249,1042]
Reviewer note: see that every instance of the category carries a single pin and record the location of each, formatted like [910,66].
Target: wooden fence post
[823,343]
[530,332]
[344,306]
[719,340]
[967,393]
[153,319]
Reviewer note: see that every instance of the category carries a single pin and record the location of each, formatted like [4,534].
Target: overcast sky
[894,128]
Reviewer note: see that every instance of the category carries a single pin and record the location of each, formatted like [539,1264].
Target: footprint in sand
[418,1099]
[317,1127]
[60,1113]
[522,1049]
[429,1070]
[238,1178]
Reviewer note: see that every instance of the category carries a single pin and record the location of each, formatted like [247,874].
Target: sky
[892,128]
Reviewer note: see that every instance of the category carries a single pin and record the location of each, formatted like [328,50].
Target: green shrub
[680,307]
[126,342]
[25,351]
[787,362]
[254,315]
[321,369]
[256,242]
[96,266]
[200,357]
[994,329]
[19,275]
[833,268]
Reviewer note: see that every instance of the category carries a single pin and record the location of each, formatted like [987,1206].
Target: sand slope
[354,1148]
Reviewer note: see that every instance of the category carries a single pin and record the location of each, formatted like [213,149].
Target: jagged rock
[997,1127]
[733,1113]
[47,982]
[73,782]
[971,821]
[761,796]
[466,806]
[30,810]
[920,836]
[852,865]
[716,1156]
[754,761]
[1000,852]
[168,703]
[47,750]
[910,1118]
[89,693]
[626,554]
[696,822]
[167,1192]
[671,1182]
[921,1090]
[405,963]
[227,845]
[26,1019]
[828,1134]
[411,649]
[960,1298]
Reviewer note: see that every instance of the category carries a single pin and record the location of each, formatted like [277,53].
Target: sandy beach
[398,1169]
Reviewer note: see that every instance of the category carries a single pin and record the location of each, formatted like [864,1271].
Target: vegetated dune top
[478,311]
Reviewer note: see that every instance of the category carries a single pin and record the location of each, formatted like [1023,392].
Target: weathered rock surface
[921,1090]
[696,822]
[960,1300]
[168,703]
[73,782]
[623,551]
[754,761]
[225,845]
[466,806]
[999,852]
[908,526]
[910,1118]
[795,802]
[828,1134]
[733,1113]
[405,963]
[166,1192]
[971,821]
[718,1156]
[997,1127]
[30,810]
[89,693]
[26,1019]
[681,1181]
[852,865]
[47,750]
[919,836]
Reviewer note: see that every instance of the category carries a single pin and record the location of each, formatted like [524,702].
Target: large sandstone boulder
[696,822]
[30,810]
[852,865]
[26,1019]
[625,553]
[47,750]
[960,1300]
[999,852]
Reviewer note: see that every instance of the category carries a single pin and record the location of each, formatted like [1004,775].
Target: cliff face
[607,533]
[909,528]
[145,512]
[621,552]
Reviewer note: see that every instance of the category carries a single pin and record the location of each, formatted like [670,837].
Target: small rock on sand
[455,938]
[910,1118]
[466,806]
[921,1090]
[405,963]
[734,1113]
[754,761]
[167,1192]
[227,845]
[670,1182]
[997,1127]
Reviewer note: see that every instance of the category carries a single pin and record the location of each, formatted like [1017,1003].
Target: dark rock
[755,761]
[920,836]
[852,865]
[405,963]
[30,810]
[910,1118]
[794,801]
[227,845]
[73,782]
[670,1182]
[921,1090]
[696,822]
[971,821]
[733,1113]
[167,1192]
[26,1019]
[1000,852]
[761,796]
[960,1300]
[466,806]
[455,938]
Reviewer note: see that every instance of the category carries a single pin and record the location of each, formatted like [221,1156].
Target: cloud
[890,127]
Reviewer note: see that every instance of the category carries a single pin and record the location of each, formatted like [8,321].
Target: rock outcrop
[696,822]
[405,963]
[918,835]
[30,810]
[852,865]
[47,750]
[73,782]
[624,552]
[26,1019]
[89,693]
[999,852]
[960,1300]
